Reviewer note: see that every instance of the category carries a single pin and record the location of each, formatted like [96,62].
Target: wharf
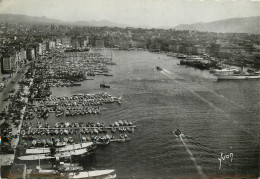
[81,128]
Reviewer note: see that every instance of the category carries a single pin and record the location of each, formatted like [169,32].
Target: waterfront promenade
[12,83]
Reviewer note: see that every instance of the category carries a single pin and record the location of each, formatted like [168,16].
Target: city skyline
[149,13]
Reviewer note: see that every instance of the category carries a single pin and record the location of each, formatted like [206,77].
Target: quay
[118,127]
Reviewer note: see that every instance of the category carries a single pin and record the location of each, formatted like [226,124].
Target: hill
[18,18]
[237,25]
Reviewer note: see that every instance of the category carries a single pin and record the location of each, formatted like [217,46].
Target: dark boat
[77,50]
[177,132]
[104,85]
[72,50]
[75,84]
[159,68]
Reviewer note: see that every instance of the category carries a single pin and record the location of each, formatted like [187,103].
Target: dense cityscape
[230,48]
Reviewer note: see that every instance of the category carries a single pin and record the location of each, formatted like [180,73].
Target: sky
[150,13]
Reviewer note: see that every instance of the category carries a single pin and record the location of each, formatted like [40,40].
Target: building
[75,43]
[8,63]
[58,41]
[50,45]
[21,56]
[1,63]
[43,47]
[214,48]
[39,48]
[188,49]
[66,42]
[174,48]
[256,46]
[85,42]
[199,50]
[99,43]
[30,54]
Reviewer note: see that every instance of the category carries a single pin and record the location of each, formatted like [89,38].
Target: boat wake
[166,71]
[221,111]
[168,74]
[199,169]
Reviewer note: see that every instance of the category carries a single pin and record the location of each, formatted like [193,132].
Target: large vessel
[57,155]
[193,57]
[59,149]
[182,56]
[69,172]
[238,77]
[241,75]
[57,152]
[230,70]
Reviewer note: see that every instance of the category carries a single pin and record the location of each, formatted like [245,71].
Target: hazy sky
[153,13]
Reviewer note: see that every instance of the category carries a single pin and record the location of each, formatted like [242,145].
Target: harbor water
[219,120]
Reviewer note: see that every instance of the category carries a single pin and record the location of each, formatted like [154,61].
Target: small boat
[83,139]
[34,142]
[71,131]
[66,131]
[104,85]
[113,129]
[49,142]
[120,123]
[159,68]
[39,124]
[56,131]
[82,131]
[95,131]
[116,124]
[57,125]
[177,132]
[65,139]
[130,129]
[102,141]
[71,140]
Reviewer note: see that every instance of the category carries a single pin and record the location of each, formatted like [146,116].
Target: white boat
[224,71]
[59,149]
[93,174]
[71,153]
[193,57]
[38,151]
[35,157]
[39,173]
[57,155]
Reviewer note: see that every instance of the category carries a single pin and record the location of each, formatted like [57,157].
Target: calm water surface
[215,117]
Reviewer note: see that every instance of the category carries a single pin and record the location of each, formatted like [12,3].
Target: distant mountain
[18,18]
[237,25]
[27,19]
[101,23]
